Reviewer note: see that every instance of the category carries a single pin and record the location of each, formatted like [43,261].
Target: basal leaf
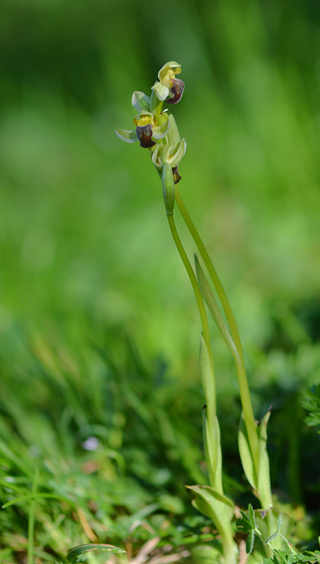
[213,505]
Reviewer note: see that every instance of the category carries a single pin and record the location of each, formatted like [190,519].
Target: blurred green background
[84,238]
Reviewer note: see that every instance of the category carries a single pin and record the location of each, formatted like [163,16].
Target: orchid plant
[156,130]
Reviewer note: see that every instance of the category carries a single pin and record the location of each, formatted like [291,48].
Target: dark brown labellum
[176,175]
[144,134]
[176,91]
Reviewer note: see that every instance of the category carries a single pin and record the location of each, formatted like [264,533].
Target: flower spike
[156,129]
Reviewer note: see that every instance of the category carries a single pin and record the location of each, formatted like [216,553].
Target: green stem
[228,549]
[239,360]
[212,422]
[195,287]
[213,274]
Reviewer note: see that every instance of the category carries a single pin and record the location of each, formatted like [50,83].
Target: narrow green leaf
[39,495]
[271,537]
[245,454]
[212,443]
[214,308]
[264,486]
[77,551]
[207,378]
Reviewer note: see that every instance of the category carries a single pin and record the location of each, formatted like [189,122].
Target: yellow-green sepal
[177,154]
[161,130]
[161,91]
[166,153]
[127,136]
[140,101]
[169,68]
[173,134]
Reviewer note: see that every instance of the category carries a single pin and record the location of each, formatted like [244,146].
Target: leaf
[243,523]
[261,483]
[245,454]
[247,524]
[264,486]
[250,541]
[311,402]
[251,516]
[75,553]
[214,505]
[212,443]
[273,536]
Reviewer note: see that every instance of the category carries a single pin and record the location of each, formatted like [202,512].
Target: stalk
[239,360]
[211,413]
[215,480]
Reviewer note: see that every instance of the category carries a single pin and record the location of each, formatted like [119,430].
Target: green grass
[146,433]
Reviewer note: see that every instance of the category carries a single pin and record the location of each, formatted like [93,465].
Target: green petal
[141,101]
[159,157]
[174,135]
[178,153]
[161,91]
[161,131]
[155,157]
[127,136]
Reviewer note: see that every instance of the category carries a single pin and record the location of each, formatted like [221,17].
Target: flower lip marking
[144,134]
[176,91]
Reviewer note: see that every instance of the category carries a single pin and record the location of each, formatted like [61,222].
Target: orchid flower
[147,130]
[169,87]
